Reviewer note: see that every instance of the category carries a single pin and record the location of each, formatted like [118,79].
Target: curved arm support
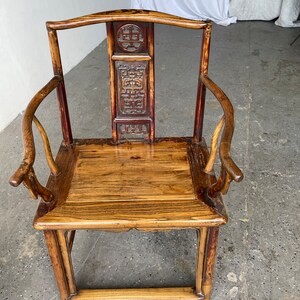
[51,163]
[219,184]
[227,162]
[35,188]
[222,184]
[214,146]
[28,141]
[127,15]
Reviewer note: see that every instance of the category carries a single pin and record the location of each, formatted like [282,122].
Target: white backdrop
[215,10]
[220,11]
[287,11]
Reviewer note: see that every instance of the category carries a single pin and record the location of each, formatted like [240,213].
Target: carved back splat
[131,58]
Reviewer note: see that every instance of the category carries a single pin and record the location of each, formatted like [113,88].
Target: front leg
[207,246]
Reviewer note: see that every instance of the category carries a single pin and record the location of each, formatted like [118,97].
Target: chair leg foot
[207,246]
[200,296]
[207,292]
[61,261]
[66,259]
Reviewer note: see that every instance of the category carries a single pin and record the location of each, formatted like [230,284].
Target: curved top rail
[225,144]
[127,15]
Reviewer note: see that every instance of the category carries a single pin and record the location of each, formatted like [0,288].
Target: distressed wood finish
[200,263]
[200,103]
[61,91]
[226,138]
[210,257]
[150,37]
[214,146]
[182,293]
[118,185]
[131,55]
[124,216]
[142,186]
[71,237]
[28,140]
[66,259]
[127,16]
[131,172]
[57,263]
[228,165]
[47,148]
[110,50]
[25,173]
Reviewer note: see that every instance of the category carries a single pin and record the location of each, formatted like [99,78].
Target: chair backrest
[130,39]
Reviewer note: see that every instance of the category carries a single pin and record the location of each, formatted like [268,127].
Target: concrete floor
[258,254]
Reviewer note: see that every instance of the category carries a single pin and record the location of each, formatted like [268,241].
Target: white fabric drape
[287,11]
[215,10]
[255,9]
[220,11]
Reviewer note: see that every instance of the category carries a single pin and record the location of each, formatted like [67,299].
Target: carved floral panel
[132,88]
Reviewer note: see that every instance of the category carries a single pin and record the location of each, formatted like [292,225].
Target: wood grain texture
[227,182]
[47,148]
[225,144]
[210,257]
[127,15]
[131,57]
[28,139]
[131,185]
[182,293]
[35,188]
[61,90]
[131,54]
[141,215]
[57,264]
[130,172]
[59,185]
[214,146]
[201,91]
[110,51]
[112,184]
[205,49]
[71,237]
[67,260]
[200,263]
[151,80]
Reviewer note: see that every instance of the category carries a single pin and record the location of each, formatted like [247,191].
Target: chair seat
[131,185]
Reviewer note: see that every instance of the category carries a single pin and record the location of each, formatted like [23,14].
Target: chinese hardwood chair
[93,182]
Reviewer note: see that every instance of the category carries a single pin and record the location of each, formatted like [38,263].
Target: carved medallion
[132,88]
[130,38]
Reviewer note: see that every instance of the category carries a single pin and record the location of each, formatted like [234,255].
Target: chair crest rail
[127,15]
[25,173]
[229,170]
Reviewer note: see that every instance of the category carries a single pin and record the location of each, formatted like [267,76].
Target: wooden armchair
[133,180]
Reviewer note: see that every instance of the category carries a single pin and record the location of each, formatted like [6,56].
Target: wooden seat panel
[127,215]
[128,172]
[130,185]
